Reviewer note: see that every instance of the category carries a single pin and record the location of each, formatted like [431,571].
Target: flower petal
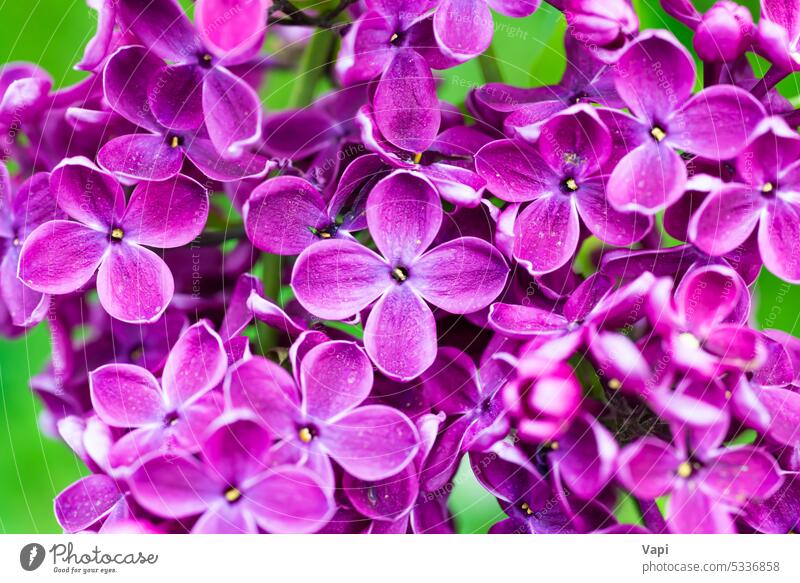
[406,107]
[282,215]
[779,240]
[134,284]
[546,233]
[126,82]
[725,219]
[608,224]
[125,395]
[514,171]
[335,377]
[87,194]
[140,156]
[648,179]
[85,502]
[232,112]
[463,28]
[648,467]
[372,442]
[337,279]
[166,214]
[56,245]
[460,276]
[400,335]
[175,97]
[195,365]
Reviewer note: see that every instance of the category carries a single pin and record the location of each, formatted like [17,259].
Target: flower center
[205,60]
[232,495]
[768,189]
[175,141]
[396,39]
[400,274]
[417,157]
[528,510]
[16,242]
[689,340]
[570,185]
[685,470]
[171,419]
[306,434]
[117,234]
[658,133]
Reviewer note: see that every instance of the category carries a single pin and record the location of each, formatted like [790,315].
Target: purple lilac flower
[20,213]
[197,88]
[762,202]
[338,279]
[235,488]
[706,481]
[109,236]
[654,77]
[562,175]
[129,76]
[320,416]
[168,415]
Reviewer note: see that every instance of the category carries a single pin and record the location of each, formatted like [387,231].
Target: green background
[52,33]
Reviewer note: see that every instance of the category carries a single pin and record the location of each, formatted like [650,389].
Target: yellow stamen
[399,274]
[528,510]
[393,38]
[325,235]
[728,394]
[15,242]
[553,445]
[417,157]
[232,495]
[767,188]
[175,142]
[614,384]
[685,470]
[571,185]
[689,340]
[305,435]
[117,234]
[658,134]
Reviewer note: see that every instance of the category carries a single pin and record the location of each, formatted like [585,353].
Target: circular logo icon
[31,556]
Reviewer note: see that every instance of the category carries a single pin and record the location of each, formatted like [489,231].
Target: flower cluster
[308,320]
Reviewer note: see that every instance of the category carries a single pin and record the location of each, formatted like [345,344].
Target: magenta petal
[299,133]
[232,27]
[283,215]
[648,467]
[209,162]
[707,296]
[27,307]
[54,245]
[741,473]
[140,156]
[335,377]
[521,321]
[609,225]
[406,107]
[784,407]
[404,215]
[137,444]
[716,123]
[463,28]
[725,219]
[232,111]
[87,194]
[196,364]
[388,499]
[372,442]
[134,284]
[125,395]
[266,389]
[400,335]
[175,97]
[779,239]
[166,214]
[546,233]
[175,487]
[237,450]
[691,511]
[290,500]
[126,81]
[337,279]
[461,276]
[161,25]
[85,502]
[224,518]
[648,179]
[514,171]
[654,75]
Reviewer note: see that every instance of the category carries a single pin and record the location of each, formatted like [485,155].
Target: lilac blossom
[109,237]
[338,279]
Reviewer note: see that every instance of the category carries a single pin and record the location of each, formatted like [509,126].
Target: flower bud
[605,24]
[543,405]
[724,33]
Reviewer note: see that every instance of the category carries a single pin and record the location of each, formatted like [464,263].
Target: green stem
[490,66]
[312,66]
